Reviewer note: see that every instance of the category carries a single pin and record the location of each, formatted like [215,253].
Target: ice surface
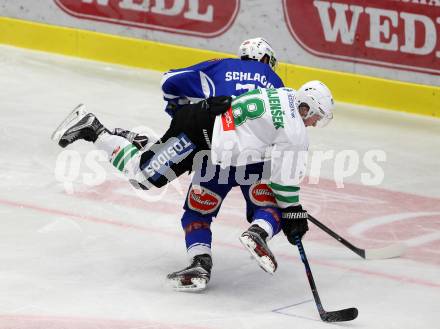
[89,256]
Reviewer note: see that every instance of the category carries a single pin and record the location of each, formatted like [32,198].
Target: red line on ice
[152,230]
[45,322]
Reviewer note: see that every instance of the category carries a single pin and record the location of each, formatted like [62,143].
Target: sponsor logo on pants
[203,200]
[262,195]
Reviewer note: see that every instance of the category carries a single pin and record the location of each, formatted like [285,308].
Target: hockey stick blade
[347,314]
[391,251]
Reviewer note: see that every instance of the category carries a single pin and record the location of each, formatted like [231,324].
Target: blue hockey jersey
[220,77]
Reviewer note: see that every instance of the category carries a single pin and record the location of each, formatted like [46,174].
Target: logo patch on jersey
[203,200]
[262,195]
[228,120]
[275,108]
[292,107]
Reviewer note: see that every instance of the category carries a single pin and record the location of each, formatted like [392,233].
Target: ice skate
[79,124]
[254,240]
[194,277]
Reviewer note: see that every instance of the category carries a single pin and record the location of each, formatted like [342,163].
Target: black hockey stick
[391,251]
[347,314]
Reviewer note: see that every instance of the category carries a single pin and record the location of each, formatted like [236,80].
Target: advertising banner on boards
[392,39]
[201,18]
[398,34]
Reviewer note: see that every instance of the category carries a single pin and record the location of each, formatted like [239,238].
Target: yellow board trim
[346,87]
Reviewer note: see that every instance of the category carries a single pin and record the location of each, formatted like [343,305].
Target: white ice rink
[97,258]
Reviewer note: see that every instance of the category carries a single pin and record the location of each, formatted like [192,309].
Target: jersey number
[247,87]
[247,106]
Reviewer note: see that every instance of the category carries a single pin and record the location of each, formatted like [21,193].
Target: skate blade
[263,261]
[75,116]
[197,284]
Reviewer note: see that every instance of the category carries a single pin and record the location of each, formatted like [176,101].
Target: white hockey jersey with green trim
[263,125]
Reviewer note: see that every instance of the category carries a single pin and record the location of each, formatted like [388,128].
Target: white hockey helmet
[256,49]
[319,99]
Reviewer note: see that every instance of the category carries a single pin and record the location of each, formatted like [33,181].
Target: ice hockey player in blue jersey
[224,77]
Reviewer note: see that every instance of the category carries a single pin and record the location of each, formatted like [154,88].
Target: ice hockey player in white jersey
[255,68]
[261,125]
